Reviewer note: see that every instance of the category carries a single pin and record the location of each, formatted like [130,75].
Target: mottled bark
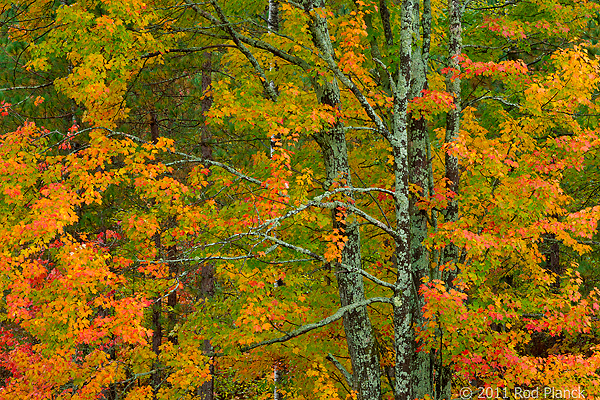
[404,78]
[443,376]
[422,364]
[422,371]
[366,375]
[357,325]
[453,118]
[273,17]
[405,291]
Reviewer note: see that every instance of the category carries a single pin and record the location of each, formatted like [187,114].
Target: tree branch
[187,50]
[325,321]
[341,368]
[27,87]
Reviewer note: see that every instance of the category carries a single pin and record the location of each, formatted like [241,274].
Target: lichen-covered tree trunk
[405,293]
[453,117]
[366,374]
[451,253]
[419,169]
[357,325]
[415,371]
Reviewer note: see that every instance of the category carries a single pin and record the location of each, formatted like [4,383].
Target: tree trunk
[172,297]
[207,288]
[422,370]
[205,105]
[366,374]
[156,342]
[405,292]
[207,390]
[453,118]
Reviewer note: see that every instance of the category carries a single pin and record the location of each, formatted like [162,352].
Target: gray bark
[418,167]
[415,373]
[405,291]
[453,117]
[273,17]
[443,387]
[366,375]
[411,150]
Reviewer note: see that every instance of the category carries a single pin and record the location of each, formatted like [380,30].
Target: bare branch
[341,368]
[269,90]
[325,321]
[27,87]
[317,257]
[187,50]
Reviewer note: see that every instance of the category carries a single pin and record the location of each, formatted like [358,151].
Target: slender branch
[500,99]
[506,4]
[341,368]
[187,50]
[361,213]
[359,128]
[370,111]
[197,259]
[259,44]
[269,90]
[27,87]
[385,68]
[322,259]
[226,167]
[318,202]
[310,327]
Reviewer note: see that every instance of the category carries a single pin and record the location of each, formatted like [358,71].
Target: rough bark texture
[418,167]
[357,325]
[443,387]
[405,291]
[453,117]
[422,373]
[405,76]
[273,17]
[364,357]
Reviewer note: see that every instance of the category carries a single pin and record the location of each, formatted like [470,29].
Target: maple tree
[357,199]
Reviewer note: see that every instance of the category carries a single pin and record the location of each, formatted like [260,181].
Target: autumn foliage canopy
[300,199]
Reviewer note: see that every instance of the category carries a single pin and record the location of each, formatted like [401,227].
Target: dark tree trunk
[172,297]
[207,287]
[156,341]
